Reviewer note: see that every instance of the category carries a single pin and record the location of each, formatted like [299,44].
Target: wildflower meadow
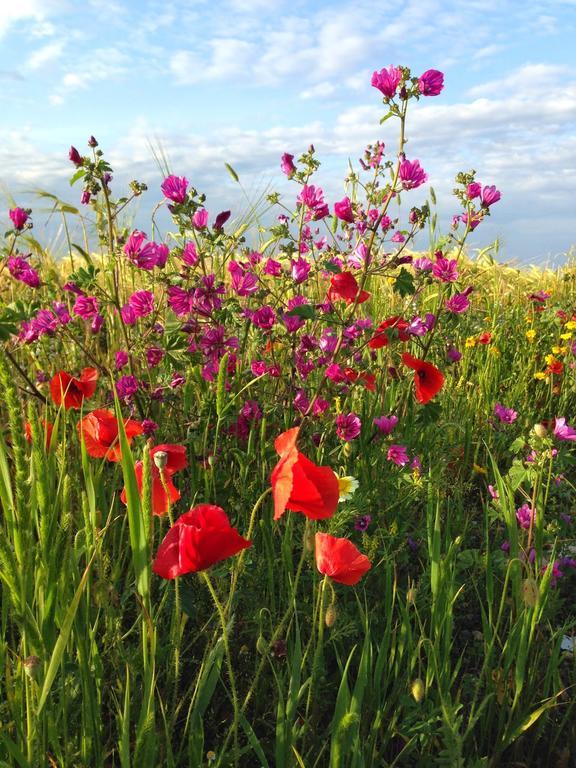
[293,490]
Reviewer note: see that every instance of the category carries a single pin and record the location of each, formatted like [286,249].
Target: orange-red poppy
[428,380]
[340,559]
[70,391]
[99,430]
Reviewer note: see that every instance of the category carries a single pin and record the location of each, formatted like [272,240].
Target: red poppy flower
[68,391]
[199,538]
[175,458]
[428,379]
[48,428]
[300,485]
[556,367]
[485,338]
[368,379]
[344,286]
[99,430]
[388,330]
[340,559]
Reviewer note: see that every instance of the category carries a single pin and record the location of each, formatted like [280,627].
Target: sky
[243,81]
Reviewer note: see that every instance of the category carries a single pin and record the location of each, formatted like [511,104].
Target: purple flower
[473,190]
[453,354]
[457,304]
[386,424]
[264,318]
[149,427]
[86,307]
[128,315]
[181,302]
[244,282]
[411,174]
[398,455]
[154,356]
[126,386]
[220,220]
[387,80]
[348,426]
[97,323]
[21,270]
[272,267]
[562,431]
[85,197]
[177,381]
[142,302]
[287,165]
[19,217]
[251,411]
[361,523]
[445,269]
[301,401]
[200,219]
[300,269]
[174,188]
[292,322]
[506,415]
[343,210]
[493,492]
[313,199]
[423,264]
[524,515]
[121,359]
[320,406]
[190,255]
[490,195]
[431,82]
[75,157]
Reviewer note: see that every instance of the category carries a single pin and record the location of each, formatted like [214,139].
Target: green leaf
[232,172]
[404,284]
[78,175]
[306,311]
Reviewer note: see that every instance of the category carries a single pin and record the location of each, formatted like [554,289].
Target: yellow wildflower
[565,336]
[531,334]
[470,342]
[540,375]
[559,350]
[571,325]
[347,486]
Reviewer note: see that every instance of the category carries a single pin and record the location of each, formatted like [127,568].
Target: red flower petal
[344,286]
[340,559]
[99,430]
[69,391]
[428,380]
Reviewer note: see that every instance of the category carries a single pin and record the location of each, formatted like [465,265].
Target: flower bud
[540,431]
[31,666]
[261,645]
[161,459]
[92,142]
[411,596]
[417,690]
[330,616]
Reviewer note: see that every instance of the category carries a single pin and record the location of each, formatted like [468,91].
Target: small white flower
[347,486]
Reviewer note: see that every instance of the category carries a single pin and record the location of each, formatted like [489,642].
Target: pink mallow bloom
[142,302]
[490,195]
[154,356]
[200,219]
[287,165]
[243,282]
[348,426]
[386,424]
[562,431]
[190,255]
[398,455]
[19,217]
[524,515]
[21,270]
[221,219]
[457,304]
[431,82]
[312,198]
[506,415]
[445,269]
[343,210]
[86,307]
[273,268]
[121,359]
[411,174]
[300,269]
[473,190]
[387,80]
[174,188]
[264,318]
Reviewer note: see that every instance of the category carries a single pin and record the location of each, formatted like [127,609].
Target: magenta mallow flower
[387,80]
[312,198]
[386,424]
[287,165]
[343,210]
[273,268]
[524,515]
[411,174]
[457,304]
[445,269]
[200,219]
[221,219]
[154,356]
[490,195]
[19,217]
[86,307]
[121,359]
[264,318]
[21,270]
[142,303]
[190,255]
[453,354]
[473,190]
[149,427]
[174,188]
[398,455]
[422,264]
[243,281]
[75,157]
[348,426]
[97,323]
[300,269]
[362,523]
[506,415]
[126,387]
[431,82]
[562,431]
[145,255]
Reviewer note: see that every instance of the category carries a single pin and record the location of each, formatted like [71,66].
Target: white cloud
[99,65]
[26,10]
[45,55]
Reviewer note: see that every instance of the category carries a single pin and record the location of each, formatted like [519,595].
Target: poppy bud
[31,665]
[330,616]
[540,431]
[261,645]
[417,690]
[411,595]
[160,459]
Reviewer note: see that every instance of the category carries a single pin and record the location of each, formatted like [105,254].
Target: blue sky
[243,81]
